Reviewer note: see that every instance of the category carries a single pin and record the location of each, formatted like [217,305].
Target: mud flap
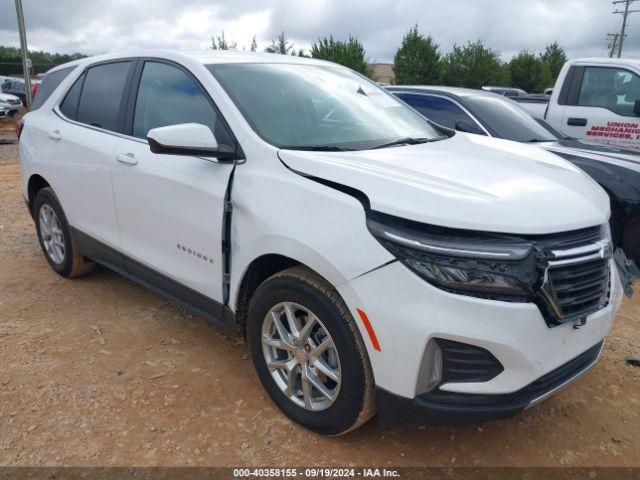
[627,270]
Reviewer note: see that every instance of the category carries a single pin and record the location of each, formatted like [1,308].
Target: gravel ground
[99,371]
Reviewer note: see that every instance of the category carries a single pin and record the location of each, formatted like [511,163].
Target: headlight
[471,263]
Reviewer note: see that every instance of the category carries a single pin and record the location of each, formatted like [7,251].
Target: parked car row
[14,88]
[375,261]
[484,113]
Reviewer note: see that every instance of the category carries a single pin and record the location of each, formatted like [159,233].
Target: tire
[304,291]
[65,260]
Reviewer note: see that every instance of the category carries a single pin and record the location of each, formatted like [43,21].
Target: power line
[625,14]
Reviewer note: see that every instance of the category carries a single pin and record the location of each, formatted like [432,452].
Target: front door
[170,207]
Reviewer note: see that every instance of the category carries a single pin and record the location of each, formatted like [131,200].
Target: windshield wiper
[539,140]
[409,141]
[319,148]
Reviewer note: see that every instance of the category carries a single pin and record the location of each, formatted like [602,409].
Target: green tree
[221,43]
[281,45]
[473,66]
[11,60]
[555,57]
[254,44]
[529,72]
[417,61]
[349,53]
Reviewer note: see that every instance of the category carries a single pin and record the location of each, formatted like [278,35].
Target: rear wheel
[56,239]
[308,352]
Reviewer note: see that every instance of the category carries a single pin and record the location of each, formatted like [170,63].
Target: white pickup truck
[597,99]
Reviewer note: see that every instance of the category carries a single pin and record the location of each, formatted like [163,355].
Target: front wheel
[309,354]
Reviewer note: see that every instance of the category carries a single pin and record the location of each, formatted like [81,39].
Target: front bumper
[441,408]
[406,312]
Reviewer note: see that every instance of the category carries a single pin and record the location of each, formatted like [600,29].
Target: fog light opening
[431,368]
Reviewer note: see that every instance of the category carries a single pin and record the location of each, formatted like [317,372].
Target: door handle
[55,135]
[577,122]
[128,158]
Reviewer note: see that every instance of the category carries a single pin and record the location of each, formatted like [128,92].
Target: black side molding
[190,299]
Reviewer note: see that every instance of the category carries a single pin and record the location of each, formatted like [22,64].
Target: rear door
[78,148]
[170,207]
[600,106]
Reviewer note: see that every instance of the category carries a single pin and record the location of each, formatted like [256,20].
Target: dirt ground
[98,371]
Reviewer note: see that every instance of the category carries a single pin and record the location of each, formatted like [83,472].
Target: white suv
[373,262]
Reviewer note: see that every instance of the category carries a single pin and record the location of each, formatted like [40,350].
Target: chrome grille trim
[587,285]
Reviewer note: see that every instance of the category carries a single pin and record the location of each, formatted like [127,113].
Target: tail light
[35,89]
[19,127]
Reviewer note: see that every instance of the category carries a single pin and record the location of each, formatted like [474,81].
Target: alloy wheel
[301,356]
[51,233]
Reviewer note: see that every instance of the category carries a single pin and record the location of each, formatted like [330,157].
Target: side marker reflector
[369,328]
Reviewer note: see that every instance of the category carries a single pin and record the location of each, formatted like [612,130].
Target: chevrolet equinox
[374,261]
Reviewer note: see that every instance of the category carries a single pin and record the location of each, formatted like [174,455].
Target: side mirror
[468,127]
[192,139]
[636,108]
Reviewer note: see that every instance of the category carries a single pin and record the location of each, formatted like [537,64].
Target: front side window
[311,106]
[612,88]
[506,119]
[437,109]
[168,96]
[101,95]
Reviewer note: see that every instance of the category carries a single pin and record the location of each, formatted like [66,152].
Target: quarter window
[612,88]
[101,95]
[49,84]
[169,96]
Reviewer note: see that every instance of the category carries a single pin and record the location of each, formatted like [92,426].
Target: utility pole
[625,14]
[26,63]
[612,43]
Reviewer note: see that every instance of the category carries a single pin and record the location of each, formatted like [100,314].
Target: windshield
[319,107]
[508,120]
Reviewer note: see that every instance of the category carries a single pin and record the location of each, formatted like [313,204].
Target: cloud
[97,26]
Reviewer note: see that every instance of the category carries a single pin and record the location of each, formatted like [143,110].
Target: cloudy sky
[98,26]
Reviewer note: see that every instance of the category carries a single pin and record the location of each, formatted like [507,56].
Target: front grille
[580,288]
[523,397]
[576,274]
[462,362]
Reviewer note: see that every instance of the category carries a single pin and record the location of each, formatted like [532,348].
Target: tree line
[419,61]
[11,60]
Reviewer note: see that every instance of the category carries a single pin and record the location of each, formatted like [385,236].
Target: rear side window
[437,109]
[48,85]
[69,106]
[167,95]
[612,88]
[100,96]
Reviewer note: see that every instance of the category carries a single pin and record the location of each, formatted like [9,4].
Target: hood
[467,181]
